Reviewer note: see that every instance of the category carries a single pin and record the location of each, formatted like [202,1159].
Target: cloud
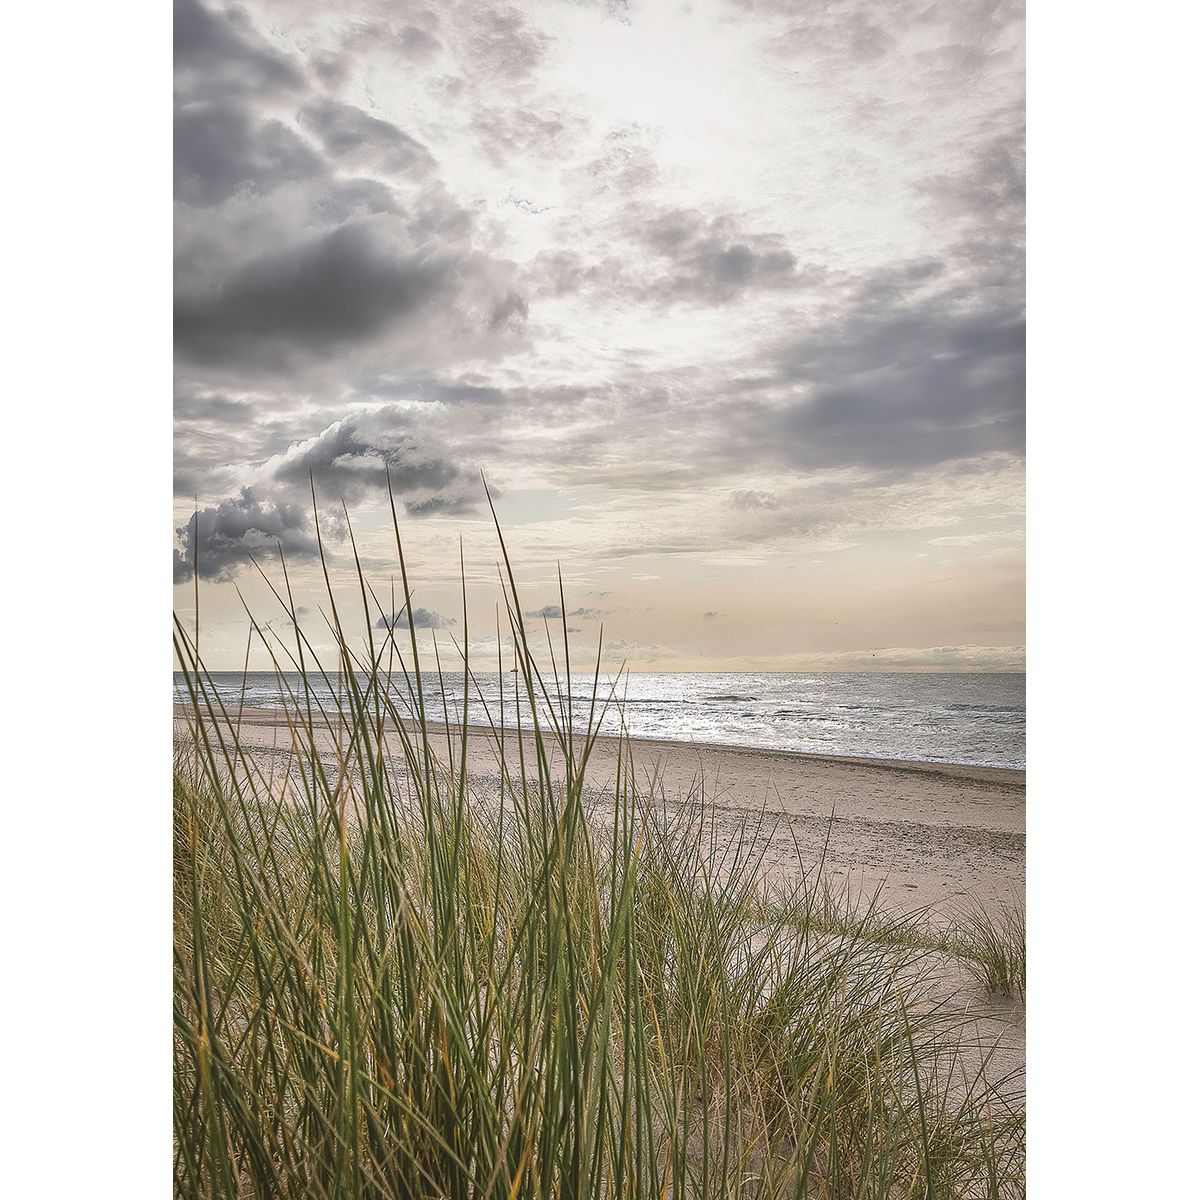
[502,45]
[625,165]
[662,255]
[221,53]
[356,287]
[712,259]
[551,612]
[415,43]
[418,44]
[905,378]
[212,407]
[712,615]
[354,136]
[310,232]
[353,458]
[519,133]
[220,539]
[220,150]
[341,287]
[350,460]
[511,309]
[983,201]
[952,40]
[426,239]
[750,498]
[422,618]
[845,32]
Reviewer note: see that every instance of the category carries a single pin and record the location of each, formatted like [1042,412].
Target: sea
[975,718]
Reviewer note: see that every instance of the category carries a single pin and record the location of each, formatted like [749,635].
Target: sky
[725,299]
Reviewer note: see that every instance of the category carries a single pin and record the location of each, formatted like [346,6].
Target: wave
[984,708]
[946,719]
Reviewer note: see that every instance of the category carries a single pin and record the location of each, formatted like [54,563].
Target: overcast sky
[726,299]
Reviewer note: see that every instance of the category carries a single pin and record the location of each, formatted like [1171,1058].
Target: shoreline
[975,772]
[924,834]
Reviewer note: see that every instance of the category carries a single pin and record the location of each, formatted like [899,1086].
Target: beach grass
[391,980]
[991,942]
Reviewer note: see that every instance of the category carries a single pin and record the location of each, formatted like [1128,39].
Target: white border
[87,457]
[1112,395]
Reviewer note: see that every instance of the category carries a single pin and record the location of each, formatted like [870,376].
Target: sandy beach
[925,835]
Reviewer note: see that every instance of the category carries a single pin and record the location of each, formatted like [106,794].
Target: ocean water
[952,718]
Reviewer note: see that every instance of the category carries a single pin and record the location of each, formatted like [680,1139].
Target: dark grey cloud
[418,44]
[991,186]
[209,407]
[342,287]
[954,39]
[681,255]
[221,150]
[422,618]
[220,539]
[350,460]
[714,260]
[900,382]
[409,32]
[354,136]
[310,232]
[216,435]
[325,265]
[984,203]
[355,456]
[349,199]
[218,52]
[675,255]
[908,369]
[508,310]
[712,615]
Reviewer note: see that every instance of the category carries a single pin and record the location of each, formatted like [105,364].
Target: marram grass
[992,945]
[392,979]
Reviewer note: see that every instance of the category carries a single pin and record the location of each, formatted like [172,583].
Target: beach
[924,835]
[906,849]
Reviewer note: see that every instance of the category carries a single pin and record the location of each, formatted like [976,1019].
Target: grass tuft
[393,978]
[991,942]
